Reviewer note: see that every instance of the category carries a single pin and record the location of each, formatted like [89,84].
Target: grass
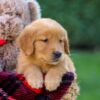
[88,70]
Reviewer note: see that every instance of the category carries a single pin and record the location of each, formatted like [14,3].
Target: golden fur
[37,42]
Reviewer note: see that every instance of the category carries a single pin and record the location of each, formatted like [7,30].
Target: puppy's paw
[35,81]
[52,82]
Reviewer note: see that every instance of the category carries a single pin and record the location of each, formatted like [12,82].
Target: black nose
[57,54]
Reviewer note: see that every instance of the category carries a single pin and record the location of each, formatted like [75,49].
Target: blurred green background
[81,18]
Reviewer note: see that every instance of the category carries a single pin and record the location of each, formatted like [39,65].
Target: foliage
[81,18]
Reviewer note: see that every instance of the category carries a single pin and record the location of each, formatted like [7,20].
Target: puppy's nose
[57,54]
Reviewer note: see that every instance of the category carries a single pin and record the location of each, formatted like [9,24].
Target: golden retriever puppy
[44,48]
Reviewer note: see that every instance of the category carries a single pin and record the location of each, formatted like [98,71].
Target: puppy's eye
[60,41]
[45,40]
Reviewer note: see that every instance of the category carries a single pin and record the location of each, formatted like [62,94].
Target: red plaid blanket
[14,87]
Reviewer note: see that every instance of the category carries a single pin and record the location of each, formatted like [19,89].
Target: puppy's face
[45,40]
[49,46]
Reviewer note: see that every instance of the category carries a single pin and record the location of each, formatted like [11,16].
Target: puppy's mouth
[51,60]
[54,61]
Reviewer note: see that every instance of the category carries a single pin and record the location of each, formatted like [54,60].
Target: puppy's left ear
[66,44]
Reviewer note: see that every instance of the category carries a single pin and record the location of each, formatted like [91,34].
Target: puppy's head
[46,40]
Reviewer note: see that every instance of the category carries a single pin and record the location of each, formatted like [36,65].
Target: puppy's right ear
[26,41]
[66,44]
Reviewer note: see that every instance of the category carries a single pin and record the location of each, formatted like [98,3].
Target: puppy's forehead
[49,27]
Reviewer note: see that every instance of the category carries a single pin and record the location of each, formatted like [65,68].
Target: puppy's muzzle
[56,55]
